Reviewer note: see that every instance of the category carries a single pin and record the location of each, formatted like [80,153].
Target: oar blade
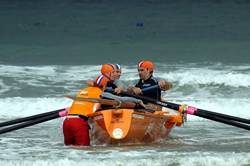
[20,120]
[29,123]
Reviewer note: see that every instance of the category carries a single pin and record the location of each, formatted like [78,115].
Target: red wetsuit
[76,131]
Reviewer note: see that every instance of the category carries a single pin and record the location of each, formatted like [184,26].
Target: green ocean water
[78,32]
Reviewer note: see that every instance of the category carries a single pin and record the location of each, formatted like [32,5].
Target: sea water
[38,89]
[48,49]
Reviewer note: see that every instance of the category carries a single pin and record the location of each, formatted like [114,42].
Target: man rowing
[148,85]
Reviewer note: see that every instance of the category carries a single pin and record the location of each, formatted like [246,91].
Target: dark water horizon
[75,32]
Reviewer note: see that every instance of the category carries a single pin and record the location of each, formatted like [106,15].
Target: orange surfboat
[132,126]
[125,125]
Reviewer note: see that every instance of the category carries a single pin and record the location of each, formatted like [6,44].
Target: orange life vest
[84,107]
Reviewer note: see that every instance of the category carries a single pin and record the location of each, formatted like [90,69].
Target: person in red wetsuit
[76,130]
[75,125]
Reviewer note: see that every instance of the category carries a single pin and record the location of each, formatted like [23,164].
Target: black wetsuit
[109,87]
[154,93]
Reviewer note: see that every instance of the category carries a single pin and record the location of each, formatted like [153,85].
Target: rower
[110,74]
[148,85]
[75,125]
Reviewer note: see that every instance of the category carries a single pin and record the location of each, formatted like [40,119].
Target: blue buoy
[139,24]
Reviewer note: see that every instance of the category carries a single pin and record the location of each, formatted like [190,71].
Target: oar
[205,111]
[34,121]
[112,102]
[196,112]
[231,120]
[229,117]
[109,102]
[177,106]
[150,88]
[20,120]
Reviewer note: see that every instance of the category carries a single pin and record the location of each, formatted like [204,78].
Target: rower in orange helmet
[75,125]
[101,81]
[108,70]
[109,74]
[145,71]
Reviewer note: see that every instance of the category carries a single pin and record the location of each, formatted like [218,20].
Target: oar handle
[150,88]
[143,90]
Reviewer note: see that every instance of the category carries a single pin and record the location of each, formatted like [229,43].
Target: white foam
[152,159]
[50,73]
[234,107]
[182,74]
[4,87]
[205,76]
[21,107]
[185,74]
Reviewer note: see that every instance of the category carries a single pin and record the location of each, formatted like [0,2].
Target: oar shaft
[108,102]
[150,100]
[222,120]
[238,119]
[20,120]
[30,123]
[176,107]
[150,88]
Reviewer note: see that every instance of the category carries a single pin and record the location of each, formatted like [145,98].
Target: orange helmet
[101,81]
[107,68]
[146,64]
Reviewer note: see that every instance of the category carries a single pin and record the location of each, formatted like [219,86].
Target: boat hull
[130,126]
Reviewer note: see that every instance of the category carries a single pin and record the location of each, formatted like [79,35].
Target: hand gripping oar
[48,117]
[223,118]
[20,120]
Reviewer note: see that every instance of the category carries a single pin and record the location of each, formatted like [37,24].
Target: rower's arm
[90,83]
[165,85]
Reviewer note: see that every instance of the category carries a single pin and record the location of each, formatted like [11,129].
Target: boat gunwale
[135,111]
